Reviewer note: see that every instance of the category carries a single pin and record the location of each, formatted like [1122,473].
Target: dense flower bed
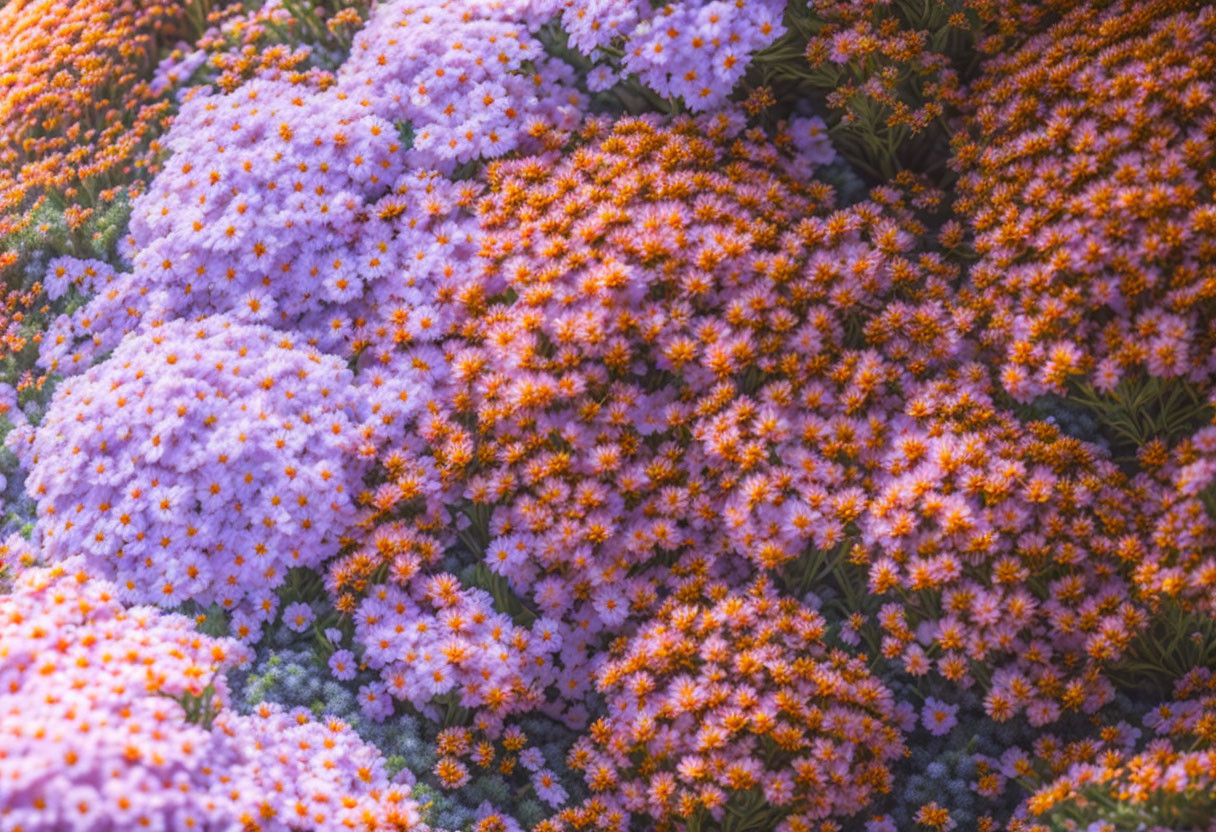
[119,718]
[580,415]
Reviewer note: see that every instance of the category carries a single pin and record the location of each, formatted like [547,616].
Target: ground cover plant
[566,415]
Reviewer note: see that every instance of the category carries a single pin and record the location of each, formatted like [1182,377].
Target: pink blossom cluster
[693,50]
[1174,772]
[794,416]
[435,637]
[1085,175]
[95,734]
[668,342]
[200,461]
[723,693]
[1002,542]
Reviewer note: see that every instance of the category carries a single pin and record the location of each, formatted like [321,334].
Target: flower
[343,665]
[938,717]
[547,787]
[298,616]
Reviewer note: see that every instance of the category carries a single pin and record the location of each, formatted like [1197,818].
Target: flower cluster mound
[267,183]
[731,702]
[1002,546]
[472,80]
[693,50]
[200,461]
[638,335]
[1170,779]
[660,314]
[115,718]
[268,40]
[77,114]
[1086,174]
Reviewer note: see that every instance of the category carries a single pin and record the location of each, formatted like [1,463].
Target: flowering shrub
[78,115]
[734,704]
[660,345]
[1170,782]
[471,80]
[526,757]
[1085,176]
[200,462]
[18,311]
[1004,542]
[118,718]
[692,50]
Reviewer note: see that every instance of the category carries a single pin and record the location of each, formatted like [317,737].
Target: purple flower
[298,616]
[938,717]
[343,665]
[531,759]
[375,702]
[547,788]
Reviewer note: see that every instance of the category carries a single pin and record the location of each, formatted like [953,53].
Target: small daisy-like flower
[531,759]
[548,789]
[298,616]
[938,717]
[343,665]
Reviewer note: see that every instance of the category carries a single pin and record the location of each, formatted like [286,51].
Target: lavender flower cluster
[516,413]
[200,461]
[118,717]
